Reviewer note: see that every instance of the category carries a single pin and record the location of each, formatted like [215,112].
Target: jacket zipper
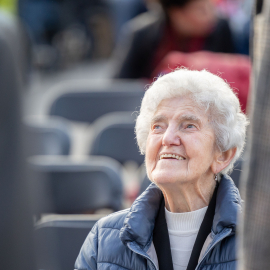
[139,253]
[211,247]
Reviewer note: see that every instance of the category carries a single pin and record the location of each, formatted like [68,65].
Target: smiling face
[180,146]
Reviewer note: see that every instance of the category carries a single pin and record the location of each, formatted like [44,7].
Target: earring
[216,177]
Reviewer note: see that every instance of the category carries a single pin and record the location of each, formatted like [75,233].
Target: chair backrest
[78,186]
[114,137]
[50,137]
[59,240]
[86,105]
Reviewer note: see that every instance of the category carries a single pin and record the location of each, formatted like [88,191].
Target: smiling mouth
[171,156]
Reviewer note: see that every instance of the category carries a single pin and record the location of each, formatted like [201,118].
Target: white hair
[211,93]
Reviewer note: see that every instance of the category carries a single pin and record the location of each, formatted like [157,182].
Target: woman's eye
[156,127]
[190,126]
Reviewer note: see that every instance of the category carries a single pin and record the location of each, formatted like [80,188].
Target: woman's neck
[189,196]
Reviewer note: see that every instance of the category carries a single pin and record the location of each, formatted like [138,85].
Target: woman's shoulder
[113,221]
[103,245]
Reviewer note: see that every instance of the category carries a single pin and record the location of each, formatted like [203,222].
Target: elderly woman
[192,130]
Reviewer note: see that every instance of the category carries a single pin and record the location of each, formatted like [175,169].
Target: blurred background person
[238,13]
[124,10]
[41,17]
[66,31]
[182,25]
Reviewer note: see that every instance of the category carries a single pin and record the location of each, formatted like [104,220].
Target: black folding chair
[87,104]
[77,186]
[58,240]
[50,137]
[114,137]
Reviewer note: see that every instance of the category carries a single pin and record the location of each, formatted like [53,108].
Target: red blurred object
[234,69]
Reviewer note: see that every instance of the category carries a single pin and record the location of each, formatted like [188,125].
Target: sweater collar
[140,220]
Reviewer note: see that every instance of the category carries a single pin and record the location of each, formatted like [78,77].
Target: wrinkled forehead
[184,107]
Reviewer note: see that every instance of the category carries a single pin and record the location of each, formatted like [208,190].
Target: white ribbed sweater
[183,229]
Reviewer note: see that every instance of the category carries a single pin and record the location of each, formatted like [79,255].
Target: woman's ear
[222,160]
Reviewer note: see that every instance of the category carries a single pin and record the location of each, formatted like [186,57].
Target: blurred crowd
[138,34]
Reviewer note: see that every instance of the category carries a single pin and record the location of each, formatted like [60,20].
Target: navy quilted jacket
[121,240]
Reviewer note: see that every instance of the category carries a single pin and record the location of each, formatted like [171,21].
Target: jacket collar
[228,205]
[140,221]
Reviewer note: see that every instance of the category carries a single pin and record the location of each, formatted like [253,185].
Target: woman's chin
[166,178]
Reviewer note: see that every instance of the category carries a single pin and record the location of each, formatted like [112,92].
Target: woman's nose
[171,137]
